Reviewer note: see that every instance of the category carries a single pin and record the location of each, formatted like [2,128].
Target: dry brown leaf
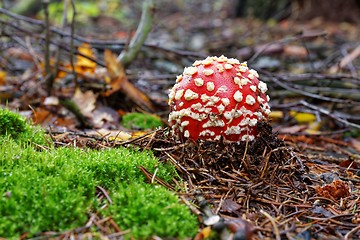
[292,129]
[119,82]
[41,116]
[230,206]
[103,117]
[295,51]
[85,101]
[116,72]
[349,164]
[355,143]
[337,189]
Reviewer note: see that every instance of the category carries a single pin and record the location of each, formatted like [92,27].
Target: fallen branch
[284,85]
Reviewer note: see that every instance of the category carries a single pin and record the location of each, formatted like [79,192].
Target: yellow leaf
[302,117]
[312,132]
[111,135]
[315,126]
[206,232]
[120,136]
[138,134]
[2,77]
[60,73]
[123,136]
[276,114]
[84,64]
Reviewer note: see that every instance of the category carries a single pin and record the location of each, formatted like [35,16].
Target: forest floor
[299,180]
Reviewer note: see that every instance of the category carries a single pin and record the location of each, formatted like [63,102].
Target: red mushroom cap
[216,97]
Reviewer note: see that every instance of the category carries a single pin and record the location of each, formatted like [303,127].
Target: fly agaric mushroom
[218,97]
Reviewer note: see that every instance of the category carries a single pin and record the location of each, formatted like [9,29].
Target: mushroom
[218,97]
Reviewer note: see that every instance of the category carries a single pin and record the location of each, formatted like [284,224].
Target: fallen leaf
[203,234]
[111,135]
[41,116]
[276,115]
[85,101]
[337,189]
[103,116]
[230,206]
[116,73]
[119,81]
[322,211]
[349,164]
[292,129]
[355,143]
[83,63]
[2,77]
[60,74]
[302,117]
[295,51]
[52,100]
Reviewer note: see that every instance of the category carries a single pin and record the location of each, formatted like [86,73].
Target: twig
[317,76]
[328,113]
[62,45]
[145,26]
[96,43]
[103,191]
[58,50]
[49,79]
[271,219]
[152,179]
[72,107]
[312,95]
[118,235]
[302,36]
[346,60]
[72,43]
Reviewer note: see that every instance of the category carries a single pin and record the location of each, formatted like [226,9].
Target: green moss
[149,210]
[12,123]
[15,126]
[54,191]
[141,121]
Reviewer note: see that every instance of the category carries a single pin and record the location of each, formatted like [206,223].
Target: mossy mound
[141,121]
[55,189]
[15,126]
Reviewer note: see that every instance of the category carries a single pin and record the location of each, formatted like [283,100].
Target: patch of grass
[54,190]
[141,121]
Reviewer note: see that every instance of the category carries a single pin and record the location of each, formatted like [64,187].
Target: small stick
[49,79]
[72,43]
[271,219]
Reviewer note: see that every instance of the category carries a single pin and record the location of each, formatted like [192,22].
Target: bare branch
[301,92]
[145,26]
[49,79]
[72,42]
